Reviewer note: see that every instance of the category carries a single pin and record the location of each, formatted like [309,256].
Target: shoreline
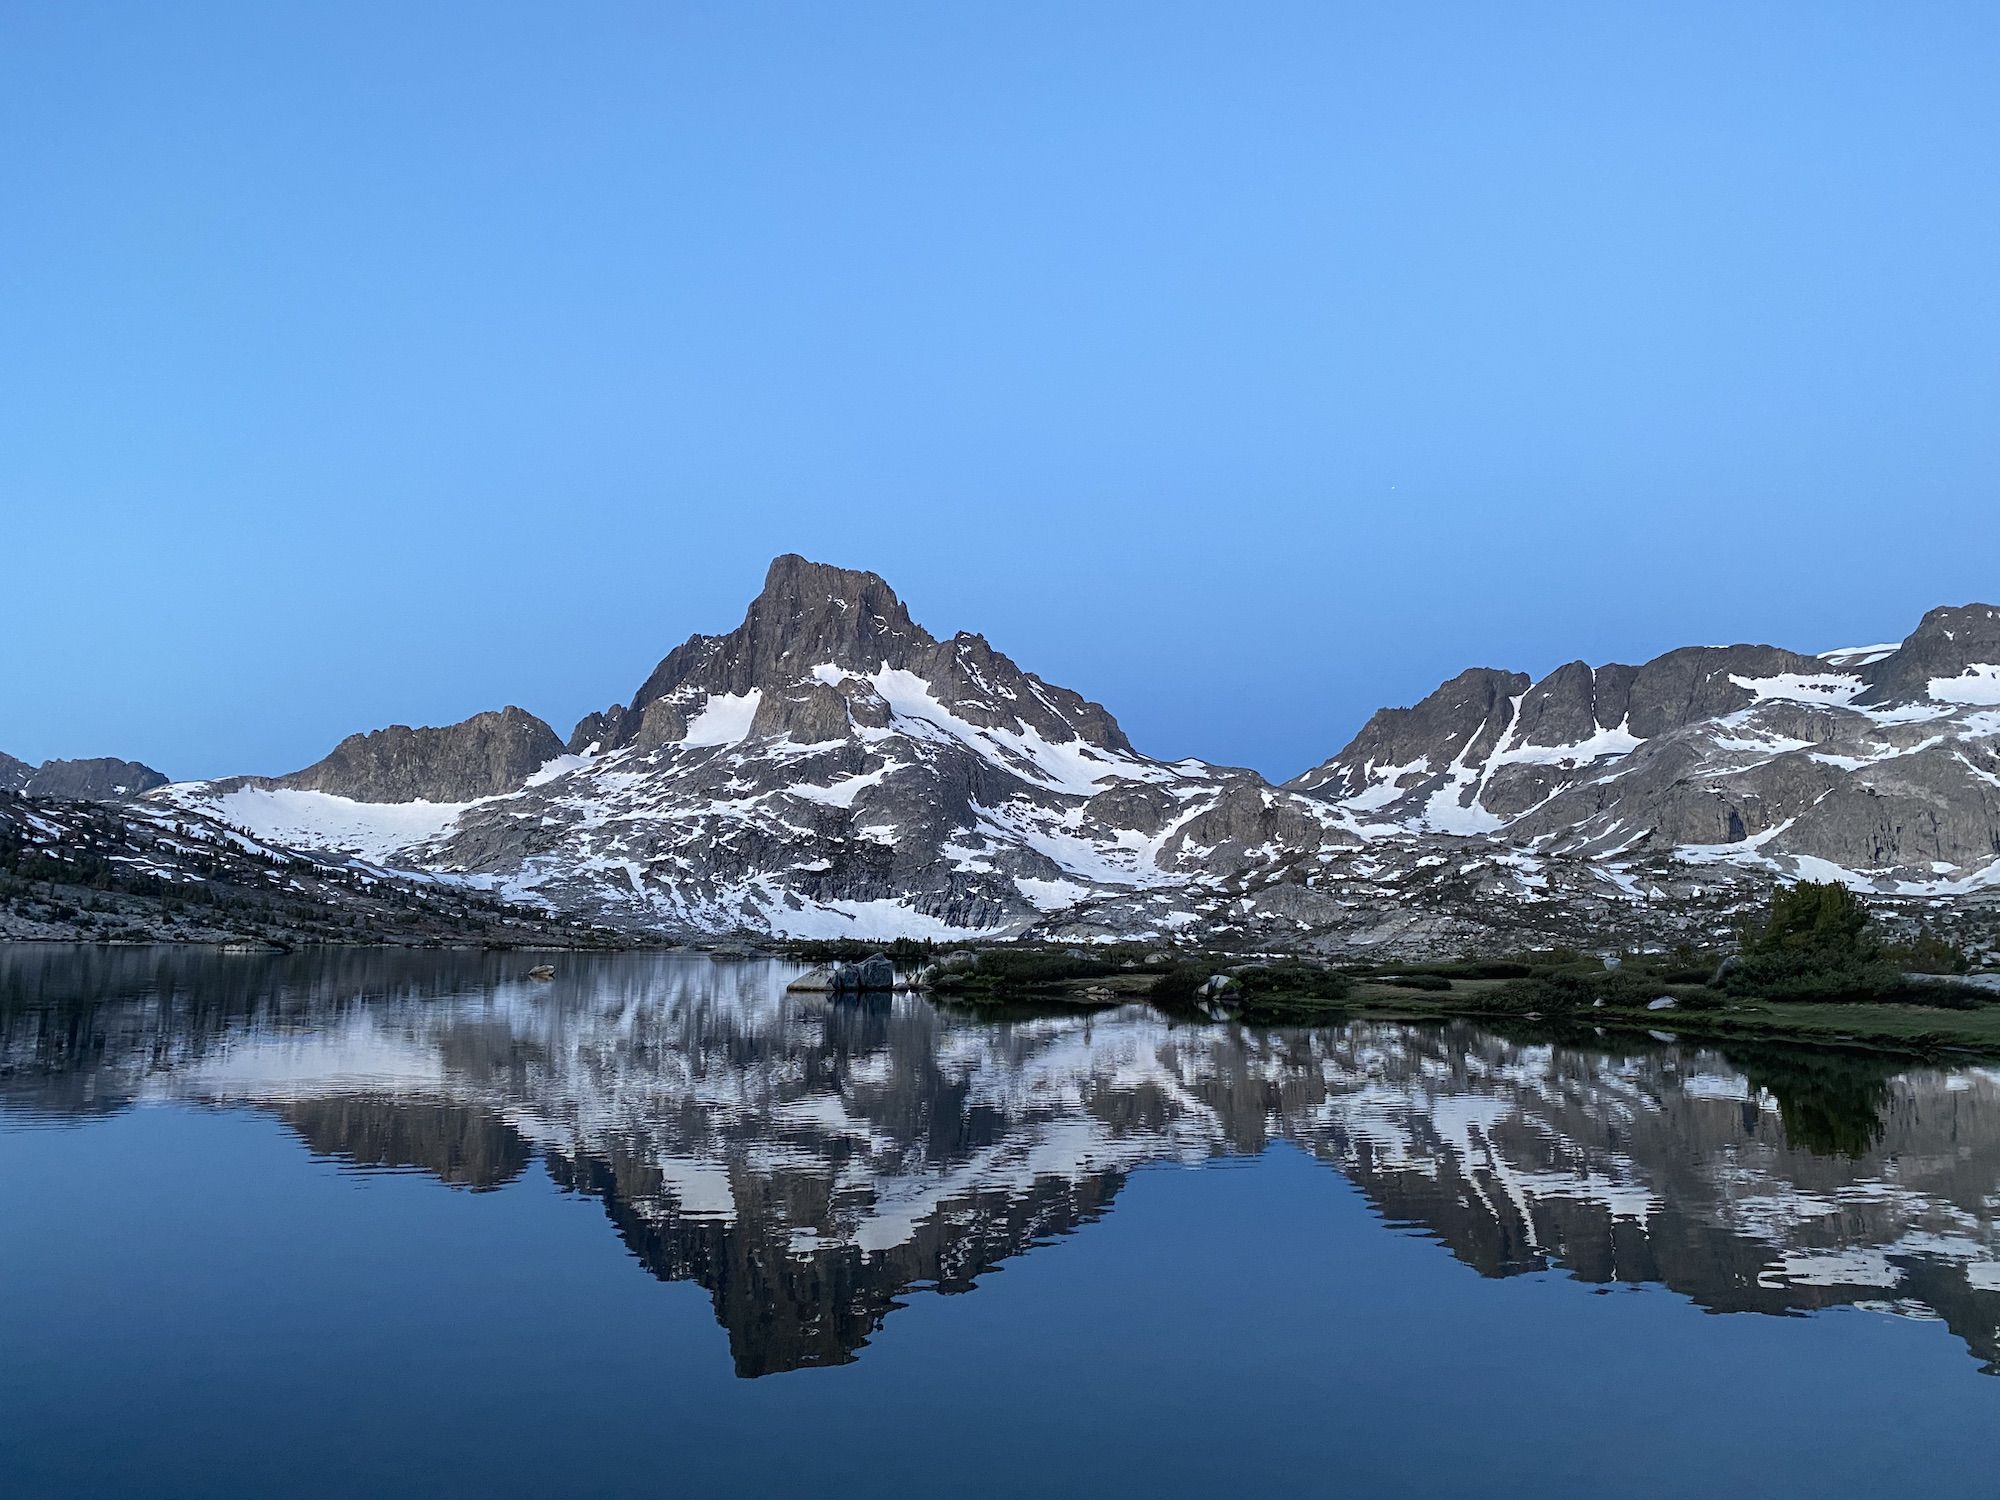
[1901,1029]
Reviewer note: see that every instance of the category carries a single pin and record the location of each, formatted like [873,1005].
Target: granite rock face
[831,768]
[809,626]
[483,756]
[1880,765]
[1949,645]
[14,773]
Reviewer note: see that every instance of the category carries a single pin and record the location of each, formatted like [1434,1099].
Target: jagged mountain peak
[829,767]
[823,650]
[1463,716]
[1880,762]
[808,615]
[812,614]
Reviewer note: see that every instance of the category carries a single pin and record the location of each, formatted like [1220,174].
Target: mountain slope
[827,768]
[1879,765]
[482,756]
[99,779]
[831,768]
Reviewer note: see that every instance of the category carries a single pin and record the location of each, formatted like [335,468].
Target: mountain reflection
[809,1162]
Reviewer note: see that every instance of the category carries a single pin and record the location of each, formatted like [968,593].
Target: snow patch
[725,719]
[376,831]
[1860,656]
[1978,685]
[1836,689]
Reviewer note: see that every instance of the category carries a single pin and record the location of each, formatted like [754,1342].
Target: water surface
[399,1223]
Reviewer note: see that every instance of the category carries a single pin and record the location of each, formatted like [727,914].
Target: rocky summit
[1877,765]
[482,756]
[97,779]
[827,768]
[830,768]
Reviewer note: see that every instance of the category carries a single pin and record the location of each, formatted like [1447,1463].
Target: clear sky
[1243,366]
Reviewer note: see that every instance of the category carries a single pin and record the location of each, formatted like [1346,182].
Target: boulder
[874,972]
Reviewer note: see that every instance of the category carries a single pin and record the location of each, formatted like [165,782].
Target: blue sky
[1245,367]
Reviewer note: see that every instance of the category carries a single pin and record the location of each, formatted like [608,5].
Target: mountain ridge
[830,767]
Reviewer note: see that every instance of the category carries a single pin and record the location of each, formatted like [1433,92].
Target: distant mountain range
[99,780]
[830,768]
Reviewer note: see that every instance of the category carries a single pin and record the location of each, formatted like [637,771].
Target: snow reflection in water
[809,1161]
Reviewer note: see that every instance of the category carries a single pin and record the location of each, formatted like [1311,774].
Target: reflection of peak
[809,1163]
[793,1305]
[460,1146]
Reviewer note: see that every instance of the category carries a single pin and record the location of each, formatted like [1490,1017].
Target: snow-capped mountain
[830,768]
[1879,765]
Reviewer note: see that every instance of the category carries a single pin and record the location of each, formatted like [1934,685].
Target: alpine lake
[380,1222]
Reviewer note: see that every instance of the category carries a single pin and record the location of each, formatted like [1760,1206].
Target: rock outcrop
[100,779]
[483,756]
[1880,765]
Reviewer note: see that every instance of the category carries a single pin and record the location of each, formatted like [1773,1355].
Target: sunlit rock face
[811,1162]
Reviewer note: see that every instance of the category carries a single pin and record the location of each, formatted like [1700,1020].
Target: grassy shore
[1901,1029]
[1553,994]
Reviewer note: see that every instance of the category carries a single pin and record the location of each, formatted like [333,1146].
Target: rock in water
[875,972]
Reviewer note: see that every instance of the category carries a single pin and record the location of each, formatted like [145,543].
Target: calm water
[409,1224]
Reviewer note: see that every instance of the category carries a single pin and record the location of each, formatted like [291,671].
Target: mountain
[146,870]
[1877,765]
[828,767]
[483,756]
[831,768]
[99,780]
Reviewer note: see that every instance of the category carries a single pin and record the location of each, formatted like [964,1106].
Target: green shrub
[1560,993]
[1011,968]
[1294,978]
[1177,989]
[1542,992]
[1270,993]
[1431,982]
[1927,953]
[1493,969]
[1817,943]
[1808,977]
